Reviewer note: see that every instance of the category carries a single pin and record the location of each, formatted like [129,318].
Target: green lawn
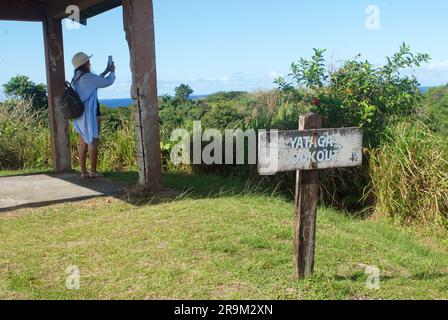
[236,244]
[7,173]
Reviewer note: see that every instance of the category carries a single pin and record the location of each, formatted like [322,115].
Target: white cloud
[433,74]
[120,89]
[201,84]
[274,75]
[438,65]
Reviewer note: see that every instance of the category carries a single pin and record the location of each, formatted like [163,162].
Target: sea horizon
[127,102]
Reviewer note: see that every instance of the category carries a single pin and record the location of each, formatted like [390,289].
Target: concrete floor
[43,189]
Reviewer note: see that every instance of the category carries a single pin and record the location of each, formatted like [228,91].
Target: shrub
[24,137]
[358,93]
[410,175]
[22,88]
[435,110]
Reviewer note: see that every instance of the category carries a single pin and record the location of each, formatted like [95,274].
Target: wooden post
[54,57]
[307,193]
[139,27]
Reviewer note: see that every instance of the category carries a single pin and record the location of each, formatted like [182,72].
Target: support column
[138,19]
[54,58]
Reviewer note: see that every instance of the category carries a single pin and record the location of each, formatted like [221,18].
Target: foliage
[183,92]
[358,93]
[225,96]
[274,110]
[310,74]
[410,175]
[24,138]
[175,114]
[435,109]
[22,88]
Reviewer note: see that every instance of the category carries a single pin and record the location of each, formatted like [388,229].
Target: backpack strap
[79,78]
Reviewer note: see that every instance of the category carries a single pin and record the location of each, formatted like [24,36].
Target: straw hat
[79,59]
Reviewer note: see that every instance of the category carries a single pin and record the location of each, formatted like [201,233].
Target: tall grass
[410,175]
[25,141]
[117,149]
[24,138]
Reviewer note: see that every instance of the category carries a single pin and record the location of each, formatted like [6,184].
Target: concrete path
[43,189]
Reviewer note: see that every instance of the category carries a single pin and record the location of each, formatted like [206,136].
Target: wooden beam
[21,10]
[100,8]
[88,8]
[139,27]
[54,57]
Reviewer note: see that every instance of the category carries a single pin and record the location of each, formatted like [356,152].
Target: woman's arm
[99,81]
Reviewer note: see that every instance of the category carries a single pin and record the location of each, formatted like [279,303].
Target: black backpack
[71,104]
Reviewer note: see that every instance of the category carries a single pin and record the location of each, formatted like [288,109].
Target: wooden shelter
[139,27]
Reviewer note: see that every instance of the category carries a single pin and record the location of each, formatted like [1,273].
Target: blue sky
[240,44]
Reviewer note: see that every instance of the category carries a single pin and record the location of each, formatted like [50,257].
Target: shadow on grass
[183,186]
[359,276]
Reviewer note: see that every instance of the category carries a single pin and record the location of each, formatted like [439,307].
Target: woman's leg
[82,155]
[99,119]
[94,152]
[93,155]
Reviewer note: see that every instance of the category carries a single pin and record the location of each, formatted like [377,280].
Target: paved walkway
[43,189]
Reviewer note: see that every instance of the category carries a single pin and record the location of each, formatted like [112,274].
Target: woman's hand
[110,68]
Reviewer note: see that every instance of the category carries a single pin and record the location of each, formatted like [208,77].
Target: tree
[22,88]
[183,92]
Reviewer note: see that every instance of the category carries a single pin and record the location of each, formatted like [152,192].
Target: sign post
[307,196]
[307,150]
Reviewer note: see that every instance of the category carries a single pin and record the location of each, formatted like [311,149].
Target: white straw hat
[80,59]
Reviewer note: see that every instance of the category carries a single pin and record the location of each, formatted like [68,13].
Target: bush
[410,175]
[435,110]
[24,137]
[21,88]
[358,93]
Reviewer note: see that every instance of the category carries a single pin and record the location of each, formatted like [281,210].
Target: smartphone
[110,62]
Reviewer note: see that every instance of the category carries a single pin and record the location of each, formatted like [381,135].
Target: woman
[87,126]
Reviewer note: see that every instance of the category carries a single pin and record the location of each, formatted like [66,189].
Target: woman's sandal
[95,175]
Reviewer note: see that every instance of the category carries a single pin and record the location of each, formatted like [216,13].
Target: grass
[8,173]
[410,176]
[219,239]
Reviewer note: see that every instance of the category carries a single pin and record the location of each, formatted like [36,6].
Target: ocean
[117,103]
[126,102]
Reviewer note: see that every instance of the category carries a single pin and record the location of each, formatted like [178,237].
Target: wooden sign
[305,151]
[309,149]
